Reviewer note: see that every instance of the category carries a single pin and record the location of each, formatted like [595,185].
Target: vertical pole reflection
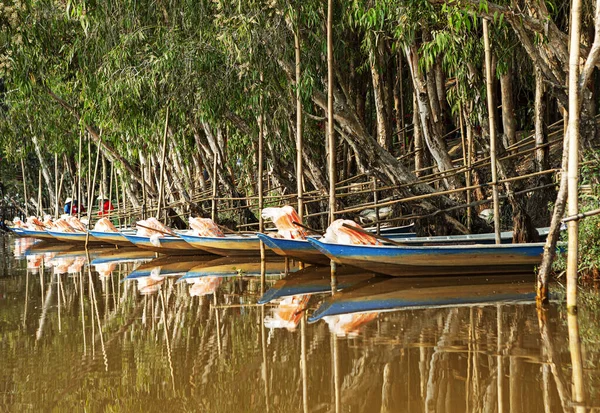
[218,322]
[333,277]
[82,311]
[576,361]
[26,299]
[549,354]
[500,361]
[303,363]
[265,368]
[336,372]
[58,285]
[164,322]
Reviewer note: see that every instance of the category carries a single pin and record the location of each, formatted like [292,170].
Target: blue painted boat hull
[114,238]
[441,260]
[74,237]
[43,235]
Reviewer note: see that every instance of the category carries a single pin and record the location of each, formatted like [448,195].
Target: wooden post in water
[331,131]
[573,162]
[162,169]
[24,186]
[261,160]
[492,121]
[299,137]
[573,208]
[499,359]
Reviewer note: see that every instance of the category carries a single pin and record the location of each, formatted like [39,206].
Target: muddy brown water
[79,337]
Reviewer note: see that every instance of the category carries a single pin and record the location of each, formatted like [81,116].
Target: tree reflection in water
[205,346]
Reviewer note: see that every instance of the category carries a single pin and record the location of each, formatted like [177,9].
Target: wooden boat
[25,232]
[313,280]
[168,245]
[391,294]
[74,237]
[229,245]
[114,238]
[304,251]
[234,266]
[429,260]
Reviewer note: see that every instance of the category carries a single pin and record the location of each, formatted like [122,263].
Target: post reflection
[230,335]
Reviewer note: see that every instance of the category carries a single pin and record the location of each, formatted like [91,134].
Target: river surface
[122,334]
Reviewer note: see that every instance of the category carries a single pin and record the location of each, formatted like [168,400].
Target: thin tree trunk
[541,154]
[488,76]
[45,169]
[509,121]
[383,134]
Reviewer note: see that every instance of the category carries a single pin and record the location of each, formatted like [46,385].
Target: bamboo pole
[40,210]
[331,135]
[573,162]
[144,195]
[261,160]
[56,185]
[91,193]
[330,116]
[214,188]
[465,153]
[110,188]
[492,121]
[24,186]
[299,131]
[78,176]
[162,168]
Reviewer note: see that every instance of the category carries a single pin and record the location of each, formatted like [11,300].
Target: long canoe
[74,237]
[304,251]
[25,232]
[229,245]
[168,245]
[389,294]
[431,260]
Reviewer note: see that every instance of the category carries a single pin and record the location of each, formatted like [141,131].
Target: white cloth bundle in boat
[205,227]
[63,226]
[153,229]
[35,224]
[105,225]
[283,218]
[76,224]
[337,233]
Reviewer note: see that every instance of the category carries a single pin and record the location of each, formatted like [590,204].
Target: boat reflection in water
[446,344]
